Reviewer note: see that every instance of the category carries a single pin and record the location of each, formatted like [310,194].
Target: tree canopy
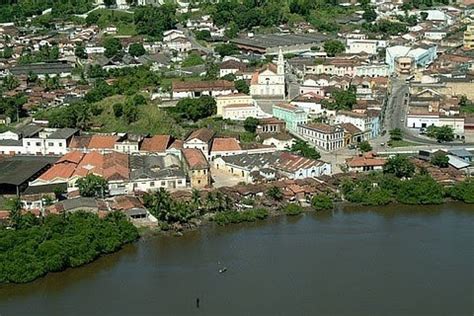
[334,47]
[302,148]
[153,21]
[92,186]
[58,242]
[399,166]
[443,133]
[195,109]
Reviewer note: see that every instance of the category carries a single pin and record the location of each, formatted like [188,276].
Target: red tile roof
[225,145]
[195,159]
[113,166]
[103,141]
[203,134]
[157,143]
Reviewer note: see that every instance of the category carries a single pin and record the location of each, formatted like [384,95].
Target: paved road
[396,113]
[194,42]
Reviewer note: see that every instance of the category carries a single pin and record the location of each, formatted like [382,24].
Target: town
[166,112]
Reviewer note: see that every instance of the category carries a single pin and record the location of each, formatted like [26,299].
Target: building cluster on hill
[294,85]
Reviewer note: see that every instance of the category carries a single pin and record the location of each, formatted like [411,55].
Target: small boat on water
[223,270]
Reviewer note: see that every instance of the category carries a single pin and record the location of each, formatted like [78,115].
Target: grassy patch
[467,108]
[401,143]
[151,119]
[122,20]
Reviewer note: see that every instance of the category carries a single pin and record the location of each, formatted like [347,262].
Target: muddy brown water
[396,260]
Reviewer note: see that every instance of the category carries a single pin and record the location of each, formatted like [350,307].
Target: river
[396,260]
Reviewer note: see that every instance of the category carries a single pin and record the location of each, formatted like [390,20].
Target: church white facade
[269,81]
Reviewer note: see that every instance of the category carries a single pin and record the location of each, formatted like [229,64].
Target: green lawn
[468,108]
[401,143]
[122,20]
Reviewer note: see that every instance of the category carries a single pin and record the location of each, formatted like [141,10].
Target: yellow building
[198,168]
[469,37]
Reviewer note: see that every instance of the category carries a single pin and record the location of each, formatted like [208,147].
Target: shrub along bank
[58,242]
[421,189]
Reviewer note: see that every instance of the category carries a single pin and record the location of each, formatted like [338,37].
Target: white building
[36,140]
[422,56]
[323,136]
[200,139]
[361,120]
[357,46]
[239,112]
[230,99]
[269,82]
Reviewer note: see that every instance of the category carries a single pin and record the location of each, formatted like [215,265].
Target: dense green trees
[167,210]
[75,115]
[302,148]
[396,134]
[365,146]
[92,186]
[153,21]
[12,106]
[399,166]
[321,202]
[58,242]
[381,189]
[80,52]
[386,27]
[195,109]
[440,159]
[136,49]
[242,86]
[369,14]
[46,53]
[421,189]
[112,47]
[226,49]
[13,10]
[442,134]
[250,124]
[342,99]
[334,47]
[203,35]
[275,193]
[363,190]
[463,191]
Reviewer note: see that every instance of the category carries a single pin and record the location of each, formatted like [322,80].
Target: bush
[421,189]
[234,217]
[322,202]
[60,242]
[292,209]
[463,191]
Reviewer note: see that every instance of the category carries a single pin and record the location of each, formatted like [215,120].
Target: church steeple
[280,63]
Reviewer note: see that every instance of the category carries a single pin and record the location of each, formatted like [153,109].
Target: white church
[269,81]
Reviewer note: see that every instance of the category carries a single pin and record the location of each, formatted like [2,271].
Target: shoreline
[202,222]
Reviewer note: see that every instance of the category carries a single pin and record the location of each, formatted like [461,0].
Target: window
[163,183]
[50,144]
[28,144]
[152,184]
[38,144]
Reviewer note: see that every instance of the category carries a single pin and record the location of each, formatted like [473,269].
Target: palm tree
[196,198]
[210,201]
[275,193]
[15,207]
